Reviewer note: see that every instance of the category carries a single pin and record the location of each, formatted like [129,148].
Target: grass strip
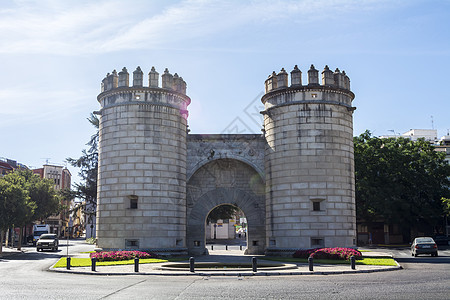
[364,261]
[86,262]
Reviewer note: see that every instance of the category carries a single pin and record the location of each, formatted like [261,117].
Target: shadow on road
[32,255]
[424,260]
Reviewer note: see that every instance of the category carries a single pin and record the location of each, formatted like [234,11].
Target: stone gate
[157,183]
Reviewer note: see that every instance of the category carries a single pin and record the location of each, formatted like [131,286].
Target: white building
[415,134]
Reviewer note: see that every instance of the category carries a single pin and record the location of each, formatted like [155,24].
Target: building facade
[61,178]
[157,183]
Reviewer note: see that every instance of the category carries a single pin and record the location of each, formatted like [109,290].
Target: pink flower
[328,253]
[121,255]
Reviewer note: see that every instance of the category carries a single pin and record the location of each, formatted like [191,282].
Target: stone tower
[310,189]
[157,185]
[142,162]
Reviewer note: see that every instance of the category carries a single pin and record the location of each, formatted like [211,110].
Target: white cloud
[67,28]
[31,106]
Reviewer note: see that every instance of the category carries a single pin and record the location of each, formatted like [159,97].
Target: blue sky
[54,54]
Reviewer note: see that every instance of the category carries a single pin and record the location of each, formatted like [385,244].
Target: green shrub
[91,241]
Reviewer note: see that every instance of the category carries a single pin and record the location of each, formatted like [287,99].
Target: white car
[47,241]
[424,245]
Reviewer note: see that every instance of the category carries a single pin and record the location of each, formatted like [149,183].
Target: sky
[54,54]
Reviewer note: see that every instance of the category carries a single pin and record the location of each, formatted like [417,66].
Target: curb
[238,274]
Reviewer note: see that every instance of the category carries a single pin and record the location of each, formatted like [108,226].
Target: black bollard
[68,263]
[136,264]
[352,262]
[254,264]
[311,263]
[226,247]
[240,247]
[212,247]
[191,264]
[93,261]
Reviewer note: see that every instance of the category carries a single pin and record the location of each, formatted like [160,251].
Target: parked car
[47,241]
[424,245]
[441,240]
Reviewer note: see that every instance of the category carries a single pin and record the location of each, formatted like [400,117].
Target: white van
[38,230]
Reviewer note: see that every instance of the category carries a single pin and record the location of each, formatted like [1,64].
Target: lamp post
[67,228]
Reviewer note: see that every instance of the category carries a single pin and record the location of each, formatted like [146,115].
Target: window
[317,242]
[131,243]
[316,205]
[362,228]
[133,201]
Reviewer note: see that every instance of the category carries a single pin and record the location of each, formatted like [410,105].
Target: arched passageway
[225,181]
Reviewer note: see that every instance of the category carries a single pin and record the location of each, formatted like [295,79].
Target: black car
[47,241]
[441,240]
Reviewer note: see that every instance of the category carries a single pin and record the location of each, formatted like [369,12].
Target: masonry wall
[309,168]
[203,148]
[157,184]
[307,162]
[143,157]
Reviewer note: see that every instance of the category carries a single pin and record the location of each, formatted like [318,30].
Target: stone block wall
[309,167]
[142,169]
[202,148]
[295,183]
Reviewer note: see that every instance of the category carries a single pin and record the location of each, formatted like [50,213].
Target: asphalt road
[24,276]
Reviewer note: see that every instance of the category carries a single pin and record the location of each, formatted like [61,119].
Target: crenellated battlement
[171,82]
[336,79]
[295,182]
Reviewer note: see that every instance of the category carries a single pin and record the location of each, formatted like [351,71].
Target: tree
[18,203]
[446,204]
[38,199]
[400,181]
[14,201]
[42,193]
[88,164]
[225,211]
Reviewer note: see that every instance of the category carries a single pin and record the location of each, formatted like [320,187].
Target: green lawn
[382,261]
[86,262]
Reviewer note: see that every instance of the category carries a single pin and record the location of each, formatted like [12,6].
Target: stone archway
[225,181]
[249,204]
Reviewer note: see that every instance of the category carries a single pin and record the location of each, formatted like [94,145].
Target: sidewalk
[7,252]
[232,258]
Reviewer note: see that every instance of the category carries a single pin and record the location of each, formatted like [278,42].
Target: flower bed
[120,255]
[329,253]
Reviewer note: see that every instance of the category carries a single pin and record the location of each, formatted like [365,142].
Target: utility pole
[67,244]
